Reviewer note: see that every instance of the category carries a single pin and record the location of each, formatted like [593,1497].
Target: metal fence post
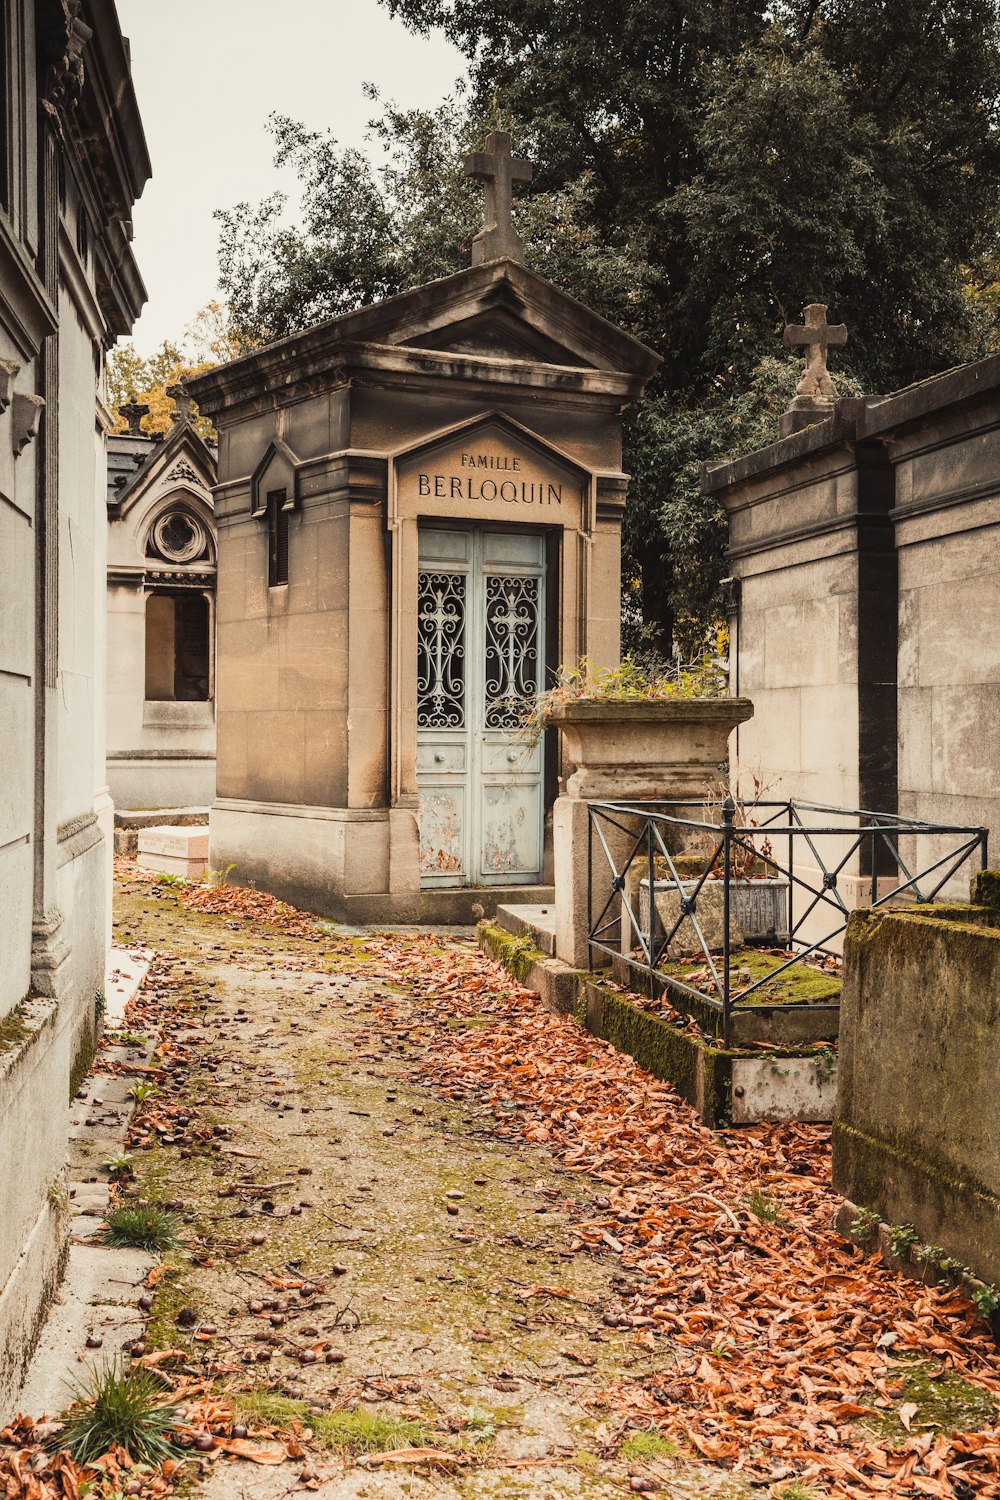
[728,811]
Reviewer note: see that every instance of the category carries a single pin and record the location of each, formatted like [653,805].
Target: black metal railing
[645,884]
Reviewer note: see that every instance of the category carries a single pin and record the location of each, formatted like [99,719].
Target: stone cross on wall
[499,170]
[818,337]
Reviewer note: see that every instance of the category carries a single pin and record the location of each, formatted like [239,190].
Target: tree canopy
[132,376]
[703,168]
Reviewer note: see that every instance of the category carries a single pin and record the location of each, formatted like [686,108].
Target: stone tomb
[419,511]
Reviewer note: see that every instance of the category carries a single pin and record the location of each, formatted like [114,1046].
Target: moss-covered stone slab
[916,1139]
[802,1081]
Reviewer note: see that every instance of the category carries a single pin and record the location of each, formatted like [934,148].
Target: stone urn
[628,750]
[669,747]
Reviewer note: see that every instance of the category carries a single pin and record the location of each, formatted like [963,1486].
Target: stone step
[535,922]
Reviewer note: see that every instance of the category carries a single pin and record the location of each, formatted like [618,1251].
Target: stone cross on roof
[184,408]
[499,170]
[133,412]
[819,337]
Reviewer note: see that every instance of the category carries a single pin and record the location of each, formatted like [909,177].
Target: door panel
[480,634]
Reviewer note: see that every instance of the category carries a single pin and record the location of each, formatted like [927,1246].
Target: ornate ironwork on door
[511,649]
[480,656]
[441,651]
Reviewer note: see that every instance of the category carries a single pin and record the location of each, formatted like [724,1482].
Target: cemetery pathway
[438,1242]
[418,1282]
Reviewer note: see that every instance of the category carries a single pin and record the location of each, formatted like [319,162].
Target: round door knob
[512,756]
[439,758]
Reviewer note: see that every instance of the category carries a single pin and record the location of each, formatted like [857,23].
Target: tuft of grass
[141,1226]
[270,1409]
[763,1207]
[647,1445]
[349,1432]
[119,1407]
[367,1431]
[796,1490]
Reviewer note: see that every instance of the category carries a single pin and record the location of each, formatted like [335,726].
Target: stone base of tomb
[356,865]
[175,850]
[35,1053]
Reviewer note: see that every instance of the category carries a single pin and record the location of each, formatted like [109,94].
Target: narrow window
[277,527]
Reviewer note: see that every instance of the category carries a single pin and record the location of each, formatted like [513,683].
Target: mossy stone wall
[917,1133]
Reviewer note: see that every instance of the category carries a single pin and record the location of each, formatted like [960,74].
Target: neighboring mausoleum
[419,509]
[865,561]
[161,614]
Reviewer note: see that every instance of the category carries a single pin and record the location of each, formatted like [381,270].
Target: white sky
[207,75]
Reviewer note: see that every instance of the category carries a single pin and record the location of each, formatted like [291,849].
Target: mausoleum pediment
[501,310]
[499,314]
[141,471]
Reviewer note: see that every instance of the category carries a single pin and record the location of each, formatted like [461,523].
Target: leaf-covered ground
[438,1241]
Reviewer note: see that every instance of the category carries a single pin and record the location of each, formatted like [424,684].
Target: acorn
[94,1341]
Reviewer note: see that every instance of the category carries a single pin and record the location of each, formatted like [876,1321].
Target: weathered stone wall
[73,167]
[917,1132]
[946,456]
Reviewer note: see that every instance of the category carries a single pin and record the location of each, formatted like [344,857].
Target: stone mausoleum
[865,560]
[161,615]
[419,508]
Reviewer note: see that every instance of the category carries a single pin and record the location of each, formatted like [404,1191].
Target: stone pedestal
[626,751]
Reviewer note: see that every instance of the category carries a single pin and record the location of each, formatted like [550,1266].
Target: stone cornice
[330,365]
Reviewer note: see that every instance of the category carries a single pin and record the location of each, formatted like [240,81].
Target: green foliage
[115,1407]
[164,878]
[126,1039]
[986,1300]
[118,1166]
[141,1226]
[632,681]
[725,164]
[140,1092]
[865,1225]
[902,1238]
